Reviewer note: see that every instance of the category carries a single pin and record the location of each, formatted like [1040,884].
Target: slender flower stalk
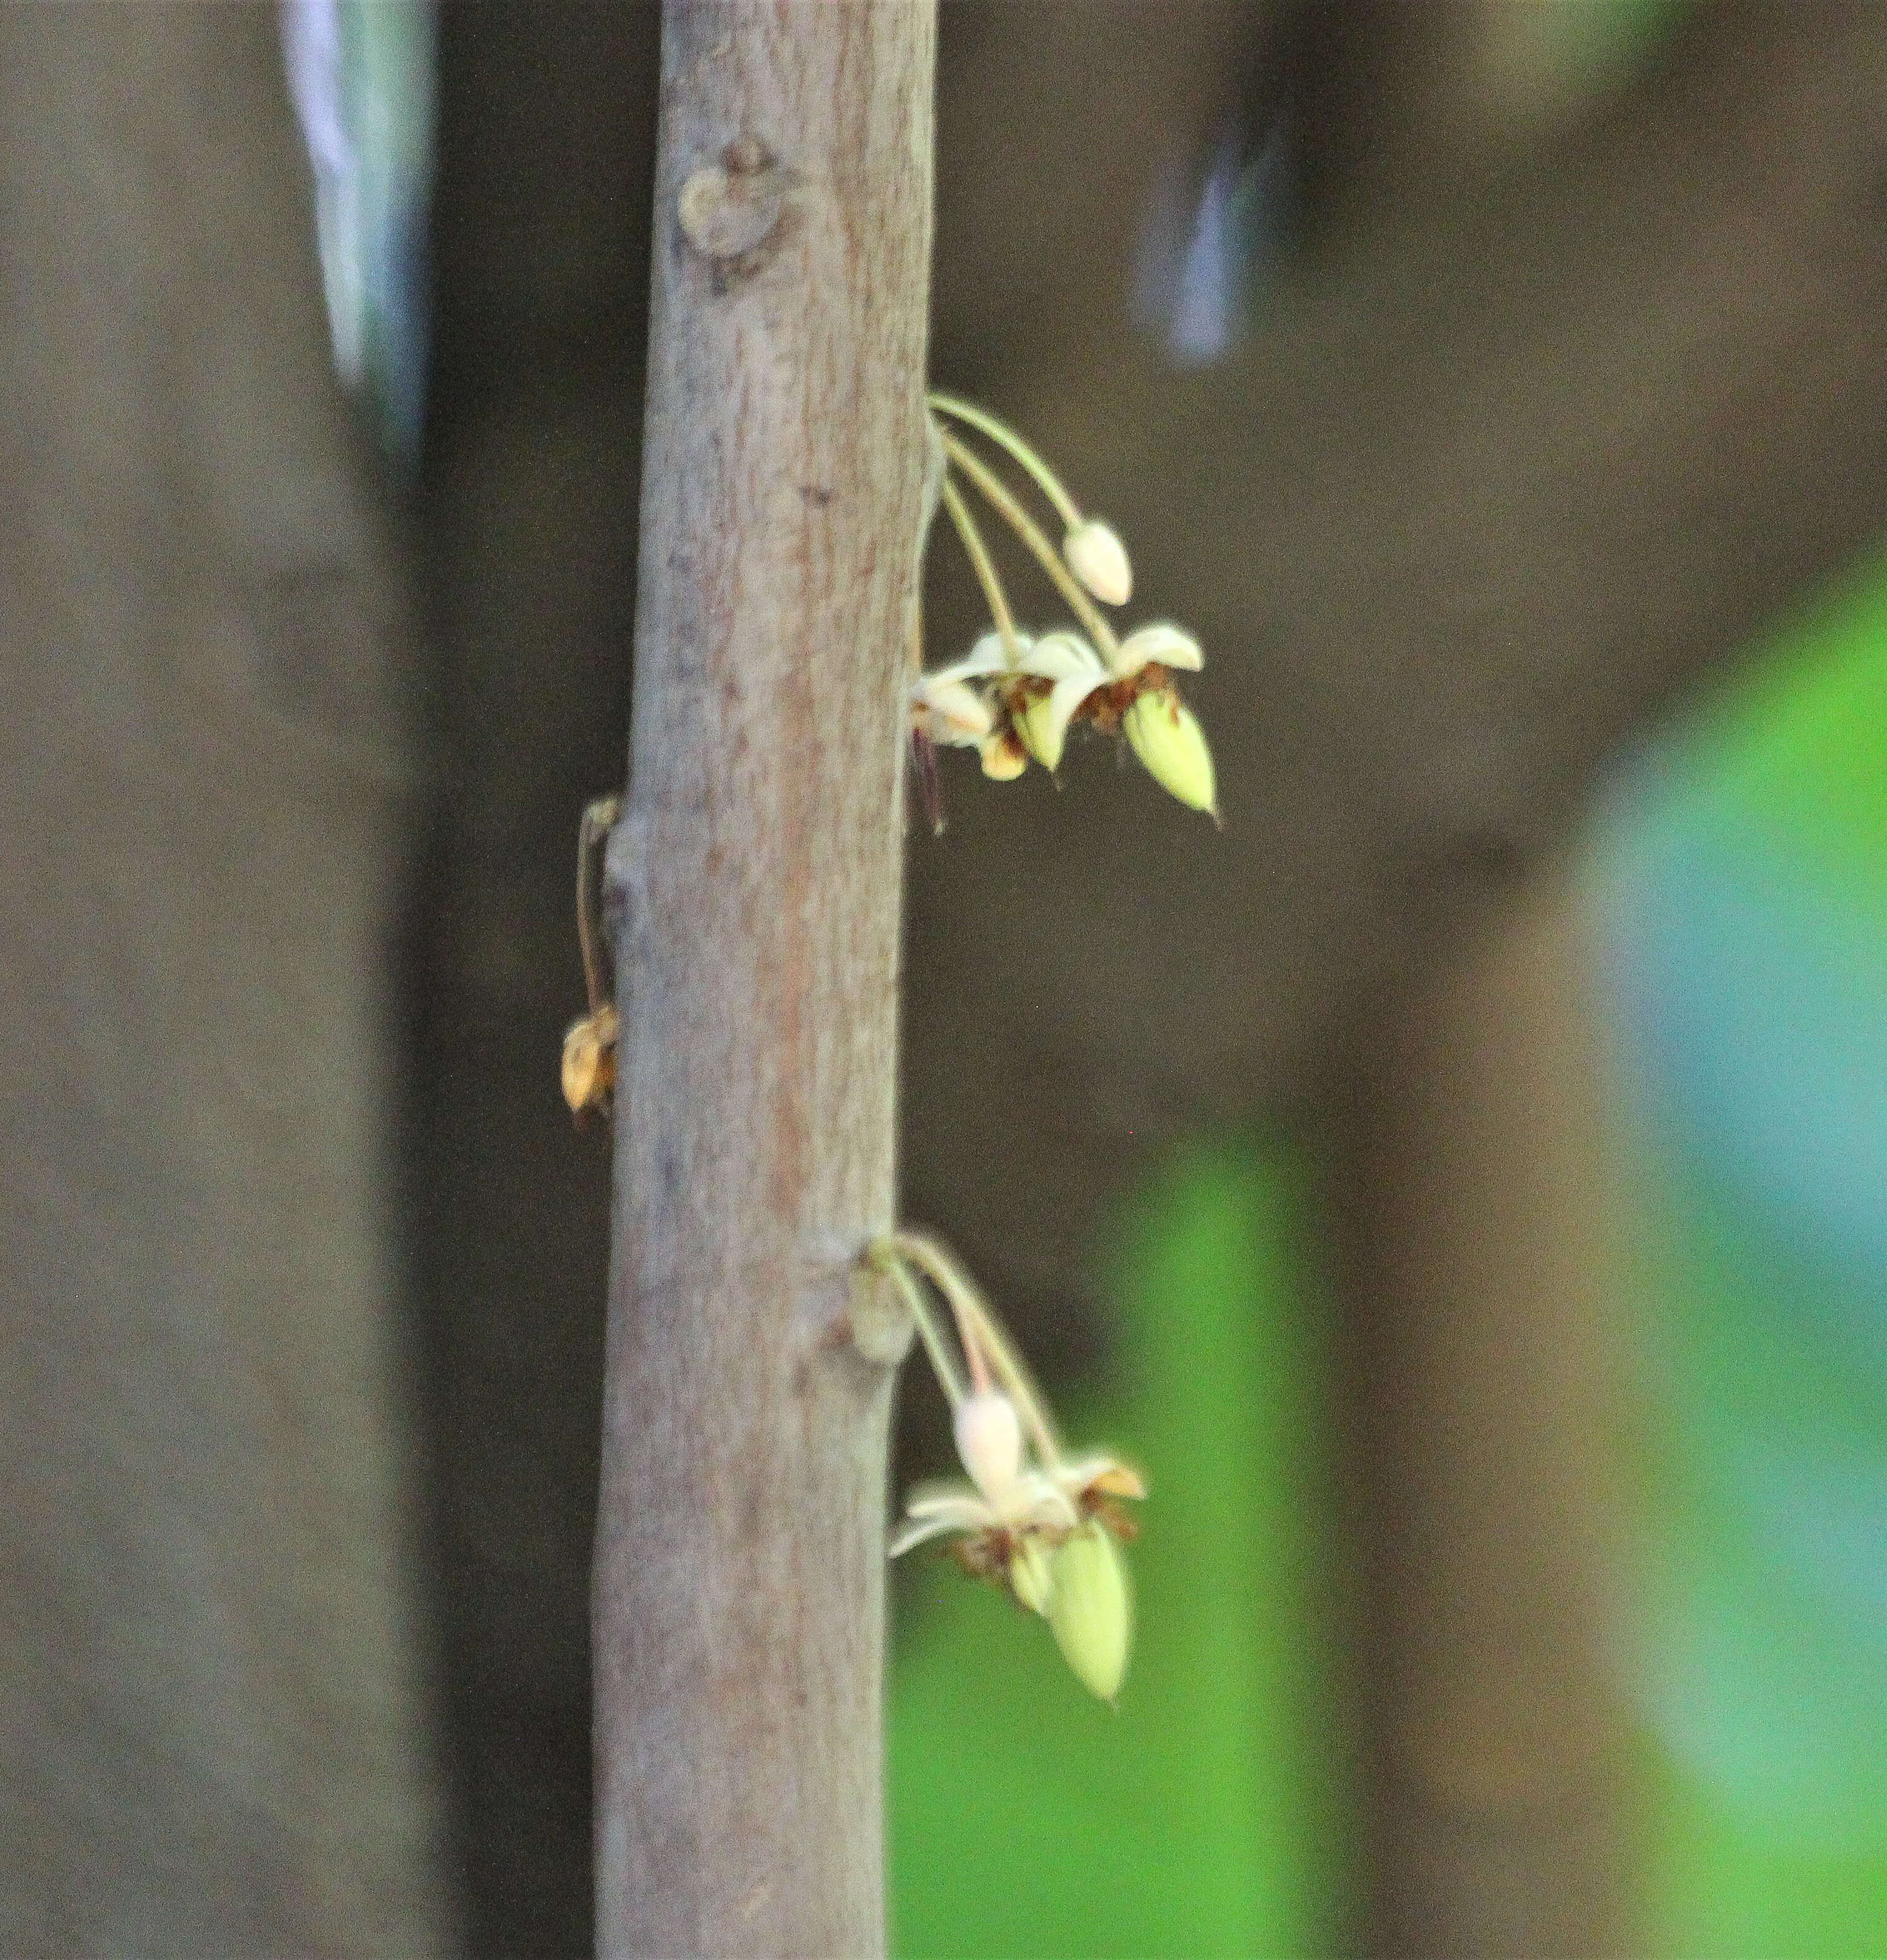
[1004,500]
[884,1259]
[984,566]
[1092,547]
[981,1334]
[1000,433]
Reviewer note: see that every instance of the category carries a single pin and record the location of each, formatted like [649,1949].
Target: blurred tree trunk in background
[1534,432]
[1474,1248]
[213,1738]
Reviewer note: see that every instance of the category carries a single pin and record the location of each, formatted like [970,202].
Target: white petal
[936,1500]
[934,1511]
[1170,645]
[1056,656]
[914,1531]
[985,658]
[949,712]
[1037,1501]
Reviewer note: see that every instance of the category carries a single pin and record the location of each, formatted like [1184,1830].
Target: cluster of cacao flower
[1015,696]
[1044,1524]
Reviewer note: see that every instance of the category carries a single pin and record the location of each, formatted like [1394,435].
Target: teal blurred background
[1739,881]
[1743,873]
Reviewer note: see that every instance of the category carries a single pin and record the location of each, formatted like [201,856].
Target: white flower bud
[1166,735]
[1098,559]
[989,1440]
[1092,1609]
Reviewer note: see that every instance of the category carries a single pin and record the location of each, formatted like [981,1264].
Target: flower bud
[1091,1609]
[589,1061]
[989,1440]
[1166,735]
[1095,555]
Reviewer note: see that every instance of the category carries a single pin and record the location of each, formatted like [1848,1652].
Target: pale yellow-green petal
[1043,724]
[1166,737]
[1032,1574]
[1092,1609]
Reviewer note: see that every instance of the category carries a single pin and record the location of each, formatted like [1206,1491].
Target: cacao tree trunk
[755,884]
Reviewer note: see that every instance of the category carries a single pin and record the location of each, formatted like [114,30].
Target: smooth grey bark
[739,1628]
[212,1735]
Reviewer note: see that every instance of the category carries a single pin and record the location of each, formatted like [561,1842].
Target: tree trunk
[213,1735]
[1472,1222]
[755,887]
